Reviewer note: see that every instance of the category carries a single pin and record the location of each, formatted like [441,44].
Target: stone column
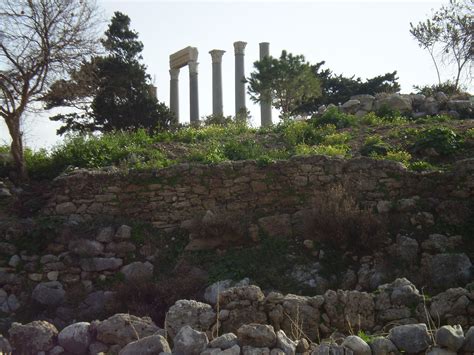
[193,93]
[265,106]
[174,94]
[239,49]
[217,106]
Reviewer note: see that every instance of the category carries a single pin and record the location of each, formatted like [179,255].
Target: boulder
[383,346]
[5,346]
[256,335]
[124,328]
[351,106]
[66,208]
[189,341]
[450,337]
[101,264]
[284,343]
[450,270]
[49,293]
[394,102]
[137,271]
[199,316]
[86,247]
[366,102]
[468,345]
[225,341]
[250,350]
[75,338]
[153,344]
[439,351]
[410,338]
[33,337]
[105,235]
[453,302]
[123,232]
[357,345]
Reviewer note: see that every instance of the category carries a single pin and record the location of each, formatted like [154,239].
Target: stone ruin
[189,56]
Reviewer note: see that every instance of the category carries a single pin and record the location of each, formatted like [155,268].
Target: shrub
[245,149]
[329,150]
[421,166]
[219,120]
[335,117]
[336,220]
[211,153]
[374,145]
[444,140]
[401,156]
[336,138]
[299,132]
[448,87]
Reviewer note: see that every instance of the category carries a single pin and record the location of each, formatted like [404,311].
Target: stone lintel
[183,57]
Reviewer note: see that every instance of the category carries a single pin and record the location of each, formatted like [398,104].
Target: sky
[361,38]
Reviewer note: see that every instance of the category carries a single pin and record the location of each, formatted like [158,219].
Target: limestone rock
[225,341]
[250,350]
[383,346]
[5,346]
[123,232]
[153,344]
[468,345]
[256,335]
[189,341]
[411,338]
[101,264]
[124,328]
[366,101]
[450,270]
[105,235]
[351,106]
[450,337]
[452,302]
[32,337]
[199,316]
[284,343]
[75,338]
[49,293]
[439,351]
[66,208]
[357,345]
[395,102]
[137,271]
[86,247]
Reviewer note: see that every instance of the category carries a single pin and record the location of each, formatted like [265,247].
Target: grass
[437,141]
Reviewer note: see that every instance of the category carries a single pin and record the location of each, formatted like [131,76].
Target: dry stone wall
[169,196]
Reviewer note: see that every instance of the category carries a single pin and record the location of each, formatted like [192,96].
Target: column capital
[174,73]
[216,55]
[239,47]
[193,67]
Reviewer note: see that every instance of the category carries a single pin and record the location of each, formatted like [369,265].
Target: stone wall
[169,196]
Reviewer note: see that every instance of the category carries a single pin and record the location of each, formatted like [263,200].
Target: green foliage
[444,140]
[400,156]
[374,145]
[121,92]
[447,87]
[334,117]
[469,134]
[285,82]
[211,154]
[337,89]
[366,337]
[246,149]
[329,150]
[219,120]
[421,166]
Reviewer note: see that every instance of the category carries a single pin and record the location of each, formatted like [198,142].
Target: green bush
[334,117]
[421,166]
[444,140]
[246,149]
[374,145]
[329,150]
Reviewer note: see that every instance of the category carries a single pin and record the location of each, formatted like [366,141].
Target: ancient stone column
[174,94]
[239,49]
[217,106]
[193,92]
[265,105]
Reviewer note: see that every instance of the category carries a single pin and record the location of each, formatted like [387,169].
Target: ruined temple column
[174,94]
[265,105]
[217,106]
[193,92]
[239,49]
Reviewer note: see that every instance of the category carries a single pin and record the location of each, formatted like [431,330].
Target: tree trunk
[13,124]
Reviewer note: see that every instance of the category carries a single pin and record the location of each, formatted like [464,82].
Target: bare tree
[40,42]
[448,36]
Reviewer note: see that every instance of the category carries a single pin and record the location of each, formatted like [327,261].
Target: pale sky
[364,39]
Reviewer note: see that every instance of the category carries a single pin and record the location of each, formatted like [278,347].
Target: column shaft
[239,48]
[217,102]
[265,105]
[174,94]
[193,93]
